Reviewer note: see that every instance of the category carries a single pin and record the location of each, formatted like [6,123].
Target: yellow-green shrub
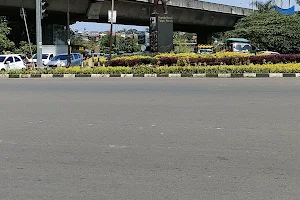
[146,69]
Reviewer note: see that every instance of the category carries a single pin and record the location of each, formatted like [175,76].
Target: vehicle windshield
[2,58]
[242,47]
[60,57]
[204,51]
[44,56]
[96,54]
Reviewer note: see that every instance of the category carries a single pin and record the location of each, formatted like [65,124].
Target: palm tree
[267,6]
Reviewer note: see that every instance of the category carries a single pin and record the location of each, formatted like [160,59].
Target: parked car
[97,55]
[62,60]
[269,52]
[11,62]
[45,58]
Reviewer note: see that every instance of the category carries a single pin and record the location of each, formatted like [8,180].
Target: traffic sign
[114,16]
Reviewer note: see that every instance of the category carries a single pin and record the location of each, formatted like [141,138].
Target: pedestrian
[26,59]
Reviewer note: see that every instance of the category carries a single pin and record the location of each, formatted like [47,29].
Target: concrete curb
[126,75]
[174,75]
[99,75]
[224,75]
[46,75]
[4,76]
[229,75]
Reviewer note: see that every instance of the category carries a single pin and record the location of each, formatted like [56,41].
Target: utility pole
[23,15]
[68,34]
[111,27]
[252,5]
[39,33]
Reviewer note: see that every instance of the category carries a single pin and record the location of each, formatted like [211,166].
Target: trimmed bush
[96,61]
[131,61]
[228,58]
[146,69]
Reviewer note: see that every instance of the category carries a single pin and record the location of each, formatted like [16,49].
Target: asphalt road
[126,139]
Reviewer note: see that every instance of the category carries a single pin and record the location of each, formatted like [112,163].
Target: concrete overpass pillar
[204,37]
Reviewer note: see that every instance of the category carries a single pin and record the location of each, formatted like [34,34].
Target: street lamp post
[39,33]
[23,15]
[68,34]
[111,27]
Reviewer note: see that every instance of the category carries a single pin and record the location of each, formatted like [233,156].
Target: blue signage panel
[287,11]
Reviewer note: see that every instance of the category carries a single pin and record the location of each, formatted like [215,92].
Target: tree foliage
[5,43]
[270,31]
[104,42]
[264,6]
[77,40]
[182,37]
[24,48]
[128,31]
[128,44]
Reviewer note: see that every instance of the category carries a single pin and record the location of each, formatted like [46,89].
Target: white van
[11,62]
[45,58]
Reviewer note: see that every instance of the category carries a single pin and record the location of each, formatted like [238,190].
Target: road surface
[128,139]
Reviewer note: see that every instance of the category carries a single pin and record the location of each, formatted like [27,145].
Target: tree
[131,45]
[24,48]
[129,31]
[5,43]
[182,37]
[128,44]
[76,38]
[104,43]
[270,31]
[18,32]
[120,43]
[263,6]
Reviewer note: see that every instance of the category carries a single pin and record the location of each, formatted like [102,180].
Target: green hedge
[228,58]
[265,68]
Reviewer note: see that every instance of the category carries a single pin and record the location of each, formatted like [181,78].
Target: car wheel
[3,70]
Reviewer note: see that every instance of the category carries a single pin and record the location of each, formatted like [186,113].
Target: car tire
[3,70]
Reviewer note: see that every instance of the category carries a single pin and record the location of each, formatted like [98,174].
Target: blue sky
[81,26]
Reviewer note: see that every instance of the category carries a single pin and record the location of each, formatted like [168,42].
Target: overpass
[189,15]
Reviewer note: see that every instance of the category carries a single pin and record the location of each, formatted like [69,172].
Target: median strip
[68,76]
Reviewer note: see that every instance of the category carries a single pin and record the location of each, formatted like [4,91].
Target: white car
[11,62]
[269,52]
[62,60]
[45,58]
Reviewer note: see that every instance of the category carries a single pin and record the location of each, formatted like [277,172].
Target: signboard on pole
[287,11]
[114,17]
[284,7]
